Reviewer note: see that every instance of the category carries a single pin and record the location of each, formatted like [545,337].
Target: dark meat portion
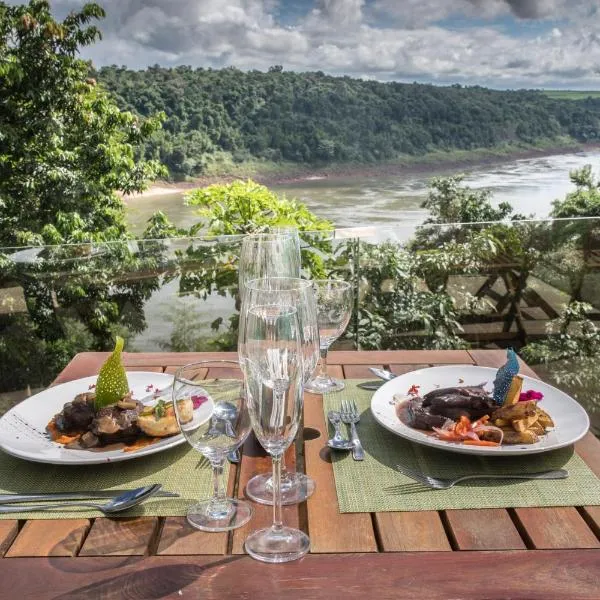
[419,418]
[76,415]
[473,402]
[115,424]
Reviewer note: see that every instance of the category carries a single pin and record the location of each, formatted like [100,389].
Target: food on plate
[112,384]
[470,415]
[89,423]
[160,421]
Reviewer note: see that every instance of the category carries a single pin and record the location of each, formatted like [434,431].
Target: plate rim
[94,458]
[482,451]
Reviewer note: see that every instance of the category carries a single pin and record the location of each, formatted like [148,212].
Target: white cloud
[380,39]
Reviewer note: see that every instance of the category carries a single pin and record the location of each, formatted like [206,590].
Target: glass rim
[257,284]
[267,237]
[337,282]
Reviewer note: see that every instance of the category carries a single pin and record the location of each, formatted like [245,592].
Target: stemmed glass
[295,487]
[212,414]
[334,309]
[273,372]
[268,255]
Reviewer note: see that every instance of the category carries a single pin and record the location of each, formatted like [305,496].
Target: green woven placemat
[181,469]
[373,485]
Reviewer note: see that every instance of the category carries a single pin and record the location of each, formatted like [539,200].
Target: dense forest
[234,116]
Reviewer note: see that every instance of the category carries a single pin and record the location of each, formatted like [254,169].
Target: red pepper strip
[480,443]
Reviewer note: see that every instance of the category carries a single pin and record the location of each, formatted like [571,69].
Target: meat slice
[420,418]
[473,402]
[115,424]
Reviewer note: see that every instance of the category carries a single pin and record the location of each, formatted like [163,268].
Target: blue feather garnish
[504,376]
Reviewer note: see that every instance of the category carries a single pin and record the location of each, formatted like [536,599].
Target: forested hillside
[231,115]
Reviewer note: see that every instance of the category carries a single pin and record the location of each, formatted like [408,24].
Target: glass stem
[323,349]
[218,502]
[277,518]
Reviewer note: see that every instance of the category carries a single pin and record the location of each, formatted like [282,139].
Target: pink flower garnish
[414,390]
[149,387]
[530,396]
[91,386]
[197,401]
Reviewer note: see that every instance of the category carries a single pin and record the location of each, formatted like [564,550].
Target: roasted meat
[76,415]
[117,422]
[473,402]
[419,418]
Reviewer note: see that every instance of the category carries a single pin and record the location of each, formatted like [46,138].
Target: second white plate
[571,420]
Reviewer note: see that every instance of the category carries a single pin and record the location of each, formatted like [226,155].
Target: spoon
[382,373]
[117,504]
[338,441]
[227,412]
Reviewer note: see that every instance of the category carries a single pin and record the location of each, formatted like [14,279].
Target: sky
[549,44]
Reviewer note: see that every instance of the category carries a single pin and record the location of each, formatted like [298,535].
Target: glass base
[277,545]
[231,514]
[295,488]
[323,384]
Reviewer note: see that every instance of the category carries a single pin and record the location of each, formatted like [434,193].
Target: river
[530,185]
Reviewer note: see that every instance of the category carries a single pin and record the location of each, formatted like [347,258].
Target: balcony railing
[531,285]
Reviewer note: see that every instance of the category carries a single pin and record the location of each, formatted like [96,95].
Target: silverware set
[118,500]
[349,415]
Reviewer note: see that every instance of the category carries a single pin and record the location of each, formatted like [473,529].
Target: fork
[350,416]
[444,484]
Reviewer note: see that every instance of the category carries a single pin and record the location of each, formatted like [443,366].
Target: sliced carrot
[480,443]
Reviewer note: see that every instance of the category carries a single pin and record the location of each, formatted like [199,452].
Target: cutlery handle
[357,450]
[16,498]
[558,474]
[5,509]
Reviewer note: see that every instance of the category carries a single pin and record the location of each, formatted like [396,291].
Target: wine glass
[273,372]
[295,487]
[334,309]
[212,414]
[268,255]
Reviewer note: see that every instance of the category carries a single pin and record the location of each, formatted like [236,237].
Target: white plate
[22,429]
[570,419]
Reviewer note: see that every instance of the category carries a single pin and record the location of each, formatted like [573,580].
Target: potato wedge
[519,437]
[501,422]
[518,411]
[544,418]
[514,391]
[524,424]
[537,428]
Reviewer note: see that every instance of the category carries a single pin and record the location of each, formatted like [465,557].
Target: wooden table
[493,553]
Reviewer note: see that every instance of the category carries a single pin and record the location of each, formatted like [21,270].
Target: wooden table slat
[484,529]
[591,515]
[421,531]
[120,537]
[329,530]
[49,538]
[551,575]
[8,532]
[556,527]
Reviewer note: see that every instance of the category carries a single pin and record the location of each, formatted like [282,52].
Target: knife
[371,385]
[16,498]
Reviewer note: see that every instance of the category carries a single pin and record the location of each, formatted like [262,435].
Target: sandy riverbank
[429,164]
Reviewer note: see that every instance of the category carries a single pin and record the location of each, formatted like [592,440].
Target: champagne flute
[212,414]
[273,372]
[295,487]
[334,309]
[268,255]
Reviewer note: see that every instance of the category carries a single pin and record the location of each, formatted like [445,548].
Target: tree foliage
[230,116]
[65,146]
